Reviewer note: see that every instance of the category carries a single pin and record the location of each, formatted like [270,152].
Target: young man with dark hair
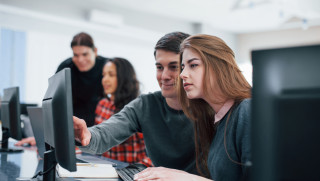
[168,133]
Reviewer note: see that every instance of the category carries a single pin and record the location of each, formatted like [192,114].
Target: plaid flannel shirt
[133,149]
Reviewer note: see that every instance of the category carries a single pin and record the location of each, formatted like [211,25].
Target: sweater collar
[223,111]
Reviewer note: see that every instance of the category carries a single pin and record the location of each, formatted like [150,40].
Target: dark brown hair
[171,42]
[82,39]
[127,83]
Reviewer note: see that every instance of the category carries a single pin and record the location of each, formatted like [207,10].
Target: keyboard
[127,173]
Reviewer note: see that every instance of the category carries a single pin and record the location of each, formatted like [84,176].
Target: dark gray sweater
[238,145]
[168,133]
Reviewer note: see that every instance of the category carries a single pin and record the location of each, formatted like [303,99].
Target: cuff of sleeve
[89,146]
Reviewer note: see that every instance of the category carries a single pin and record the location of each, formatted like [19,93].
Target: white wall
[274,39]
[48,44]
[49,36]
[243,44]
[45,51]
[229,38]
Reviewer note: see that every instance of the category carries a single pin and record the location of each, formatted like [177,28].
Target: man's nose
[166,74]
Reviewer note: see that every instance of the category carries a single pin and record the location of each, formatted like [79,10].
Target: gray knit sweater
[168,133]
[238,145]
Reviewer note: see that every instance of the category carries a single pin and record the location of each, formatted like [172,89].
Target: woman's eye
[193,65]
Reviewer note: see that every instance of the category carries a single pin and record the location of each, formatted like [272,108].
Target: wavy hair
[128,84]
[221,72]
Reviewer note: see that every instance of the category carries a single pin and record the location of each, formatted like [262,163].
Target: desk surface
[24,165]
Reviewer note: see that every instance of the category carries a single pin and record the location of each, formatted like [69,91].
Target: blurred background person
[120,87]
[86,75]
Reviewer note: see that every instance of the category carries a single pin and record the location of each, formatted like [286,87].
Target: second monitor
[58,124]
[10,117]
[286,121]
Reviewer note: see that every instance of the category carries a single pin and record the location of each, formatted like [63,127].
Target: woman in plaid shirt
[120,87]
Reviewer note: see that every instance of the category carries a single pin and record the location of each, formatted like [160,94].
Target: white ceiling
[237,16]
[234,16]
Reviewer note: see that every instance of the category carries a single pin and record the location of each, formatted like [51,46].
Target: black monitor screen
[58,123]
[10,116]
[286,119]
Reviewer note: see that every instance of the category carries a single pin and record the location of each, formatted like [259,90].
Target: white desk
[24,165]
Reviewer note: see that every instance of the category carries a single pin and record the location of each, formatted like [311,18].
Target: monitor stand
[48,172]
[5,142]
[49,165]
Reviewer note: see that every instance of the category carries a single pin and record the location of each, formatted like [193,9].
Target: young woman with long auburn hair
[216,96]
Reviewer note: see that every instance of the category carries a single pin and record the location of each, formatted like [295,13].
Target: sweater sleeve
[117,129]
[244,133]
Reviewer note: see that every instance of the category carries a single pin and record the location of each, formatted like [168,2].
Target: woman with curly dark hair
[120,87]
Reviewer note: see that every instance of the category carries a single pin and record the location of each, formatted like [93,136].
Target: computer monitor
[23,107]
[36,119]
[58,124]
[10,117]
[285,114]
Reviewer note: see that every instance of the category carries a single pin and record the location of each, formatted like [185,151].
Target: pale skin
[192,75]
[30,140]
[84,57]
[163,174]
[167,64]
[167,72]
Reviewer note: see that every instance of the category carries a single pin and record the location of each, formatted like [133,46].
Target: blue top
[238,143]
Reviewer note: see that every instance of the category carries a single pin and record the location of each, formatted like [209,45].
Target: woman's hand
[30,140]
[161,173]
